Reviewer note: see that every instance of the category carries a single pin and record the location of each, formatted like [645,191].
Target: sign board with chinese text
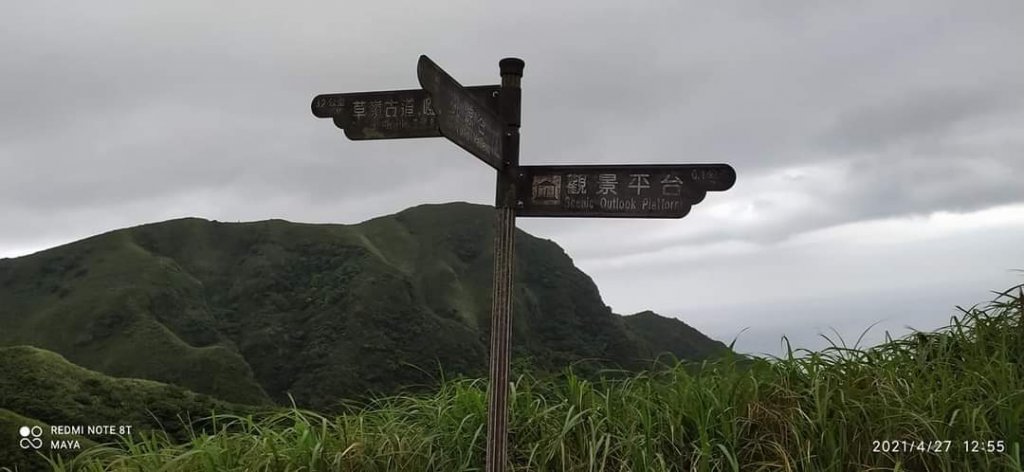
[391,114]
[463,118]
[618,191]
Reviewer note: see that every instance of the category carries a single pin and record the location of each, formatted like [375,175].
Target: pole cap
[511,66]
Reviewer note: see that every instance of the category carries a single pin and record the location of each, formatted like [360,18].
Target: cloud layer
[120,113]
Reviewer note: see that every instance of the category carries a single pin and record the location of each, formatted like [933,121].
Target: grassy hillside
[39,387]
[671,336]
[254,312]
[45,386]
[99,301]
[11,455]
[960,390]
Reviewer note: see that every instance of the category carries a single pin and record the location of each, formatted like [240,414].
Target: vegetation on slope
[20,460]
[41,388]
[97,302]
[272,310]
[821,411]
[671,336]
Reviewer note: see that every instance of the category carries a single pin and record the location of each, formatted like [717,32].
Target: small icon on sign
[31,438]
[546,189]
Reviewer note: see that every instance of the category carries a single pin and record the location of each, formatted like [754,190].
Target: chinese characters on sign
[657,191]
[462,118]
[391,114]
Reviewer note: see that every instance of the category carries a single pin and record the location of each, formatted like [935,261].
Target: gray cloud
[119,113]
[924,115]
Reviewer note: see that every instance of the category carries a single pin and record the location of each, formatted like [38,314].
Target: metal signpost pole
[504,267]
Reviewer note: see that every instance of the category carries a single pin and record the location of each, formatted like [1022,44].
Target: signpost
[626,191]
[463,119]
[391,114]
[485,120]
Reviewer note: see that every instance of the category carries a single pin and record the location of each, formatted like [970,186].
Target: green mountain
[670,336]
[41,388]
[12,455]
[255,312]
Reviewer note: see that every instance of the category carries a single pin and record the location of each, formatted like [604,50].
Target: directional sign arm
[391,114]
[461,117]
[623,191]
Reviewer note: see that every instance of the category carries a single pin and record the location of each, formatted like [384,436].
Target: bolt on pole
[504,267]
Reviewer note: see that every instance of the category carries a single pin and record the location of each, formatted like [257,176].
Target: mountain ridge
[252,312]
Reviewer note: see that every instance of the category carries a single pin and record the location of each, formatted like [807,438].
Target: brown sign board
[618,191]
[391,114]
[463,118]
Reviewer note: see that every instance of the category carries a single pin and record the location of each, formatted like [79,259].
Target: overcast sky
[879,145]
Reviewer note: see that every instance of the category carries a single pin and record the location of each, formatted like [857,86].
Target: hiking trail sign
[462,118]
[625,191]
[391,114]
[485,120]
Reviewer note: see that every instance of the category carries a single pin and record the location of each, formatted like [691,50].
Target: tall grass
[806,411]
